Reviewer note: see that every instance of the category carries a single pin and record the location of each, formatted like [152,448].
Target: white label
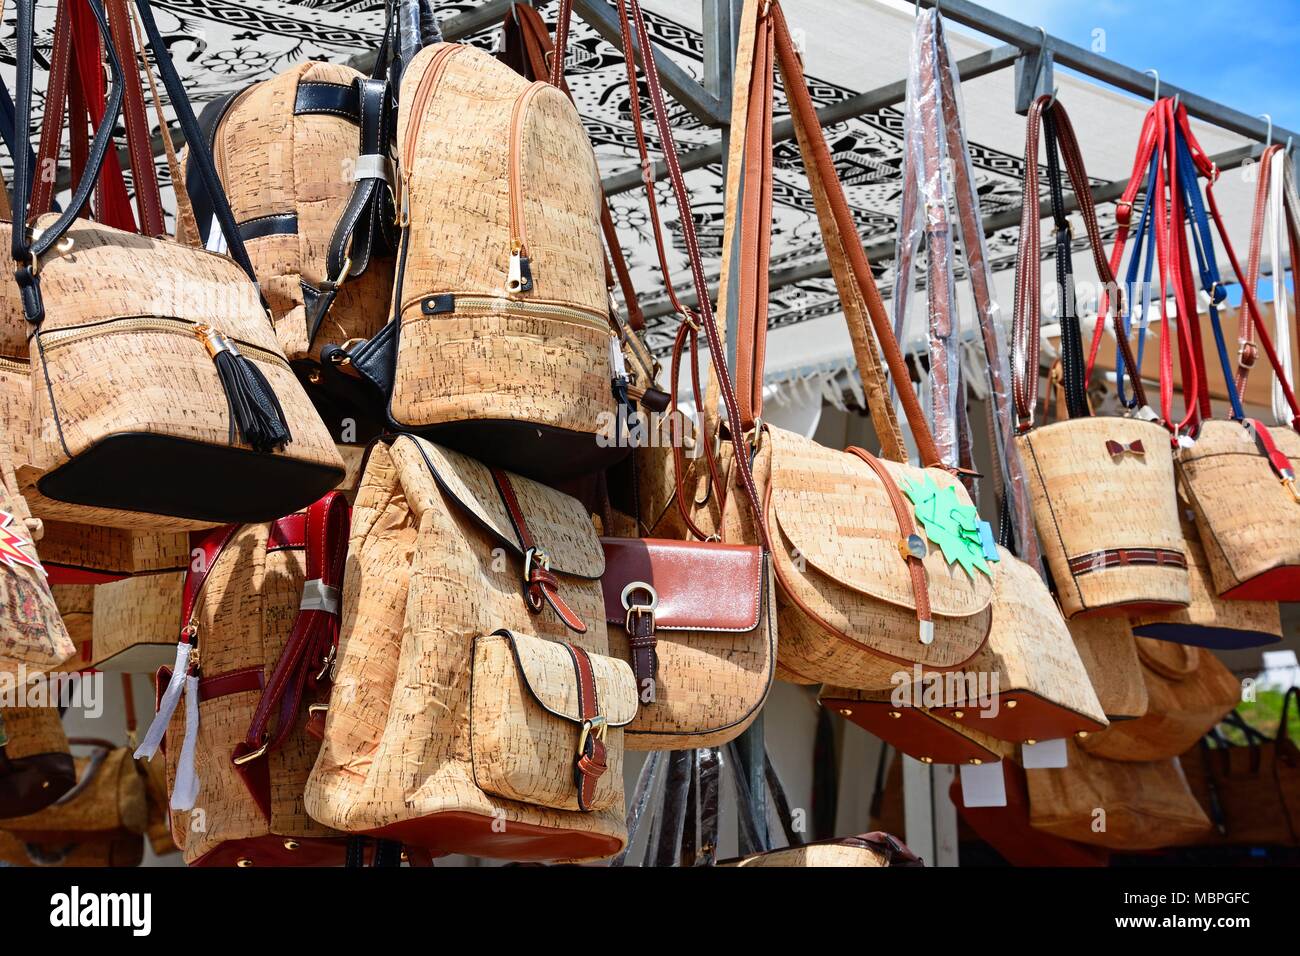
[216,238]
[983,785]
[1044,755]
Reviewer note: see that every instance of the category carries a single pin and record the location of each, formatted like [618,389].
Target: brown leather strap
[906,529]
[854,281]
[541,586]
[592,761]
[1123,557]
[563,16]
[1249,351]
[691,242]
[1028,299]
[139,145]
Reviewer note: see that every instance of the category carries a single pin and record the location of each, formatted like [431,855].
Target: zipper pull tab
[404,217]
[520,276]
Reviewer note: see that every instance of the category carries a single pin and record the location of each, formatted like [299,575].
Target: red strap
[592,761]
[208,545]
[113,206]
[1280,462]
[312,644]
[540,584]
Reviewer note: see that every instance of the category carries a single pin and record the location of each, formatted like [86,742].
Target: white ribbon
[186,789]
[167,706]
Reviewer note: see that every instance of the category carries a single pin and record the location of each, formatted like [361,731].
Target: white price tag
[1045,755]
[983,785]
[216,238]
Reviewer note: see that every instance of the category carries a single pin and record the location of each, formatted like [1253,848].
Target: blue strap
[1203,242]
[7,117]
[1145,230]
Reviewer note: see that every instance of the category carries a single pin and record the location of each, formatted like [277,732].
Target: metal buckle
[538,556]
[597,725]
[639,608]
[250,757]
[327,663]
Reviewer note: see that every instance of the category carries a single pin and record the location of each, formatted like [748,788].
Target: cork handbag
[260,621]
[871,597]
[500,336]
[475,708]
[100,821]
[1109,654]
[1188,691]
[865,850]
[1253,550]
[35,763]
[160,398]
[1103,559]
[1123,806]
[32,633]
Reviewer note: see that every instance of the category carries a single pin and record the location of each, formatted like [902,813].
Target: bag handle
[1047,112]
[1191,660]
[27,249]
[631,15]
[765,44]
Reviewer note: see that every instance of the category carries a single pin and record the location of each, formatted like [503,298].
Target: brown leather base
[272,850]
[1278,584]
[914,731]
[473,835]
[1134,609]
[1032,718]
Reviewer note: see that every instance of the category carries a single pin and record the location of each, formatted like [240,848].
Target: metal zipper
[59,338]
[428,81]
[519,276]
[493,305]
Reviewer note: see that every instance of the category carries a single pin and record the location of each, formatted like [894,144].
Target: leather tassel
[253,404]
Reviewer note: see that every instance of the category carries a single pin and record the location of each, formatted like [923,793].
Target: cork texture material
[427,577]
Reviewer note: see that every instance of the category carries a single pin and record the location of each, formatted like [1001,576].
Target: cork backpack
[258,618]
[500,343]
[475,708]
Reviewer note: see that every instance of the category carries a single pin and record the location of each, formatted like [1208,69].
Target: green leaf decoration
[949,524]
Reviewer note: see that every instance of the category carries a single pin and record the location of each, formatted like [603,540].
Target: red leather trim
[473,834]
[702,586]
[1134,609]
[65,574]
[1276,584]
[231,682]
[210,544]
[914,731]
[1033,718]
[287,533]
[270,850]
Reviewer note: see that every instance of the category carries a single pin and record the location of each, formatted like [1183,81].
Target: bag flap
[700,586]
[558,523]
[832,508]
[551,676]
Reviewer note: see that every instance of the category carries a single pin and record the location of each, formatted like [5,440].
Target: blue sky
[1244,53]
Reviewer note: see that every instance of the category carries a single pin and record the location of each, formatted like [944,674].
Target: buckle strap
[591,762]
[541,586]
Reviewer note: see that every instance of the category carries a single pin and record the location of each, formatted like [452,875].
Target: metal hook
[1156,74]
[1051,100]
[1288,144]
[1268,138]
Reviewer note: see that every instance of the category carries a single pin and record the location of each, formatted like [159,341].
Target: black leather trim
[316,97]
[209,119]
[277,224]
[180,478]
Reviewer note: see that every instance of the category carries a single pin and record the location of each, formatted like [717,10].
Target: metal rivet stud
[243,862]
[291,844]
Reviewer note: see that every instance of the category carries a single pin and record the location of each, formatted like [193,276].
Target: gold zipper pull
[520,276]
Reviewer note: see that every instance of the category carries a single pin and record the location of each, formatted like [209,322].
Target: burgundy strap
[591,762]
[541,586]
[1249,351]
[1281,464]
[313,642]
[1122,557]
[144,175]
[208,544]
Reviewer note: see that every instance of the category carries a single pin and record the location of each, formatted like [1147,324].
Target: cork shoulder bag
[475,708]
[504,347]
[160,397]
[835,519]
[1102,489]
[256,643]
